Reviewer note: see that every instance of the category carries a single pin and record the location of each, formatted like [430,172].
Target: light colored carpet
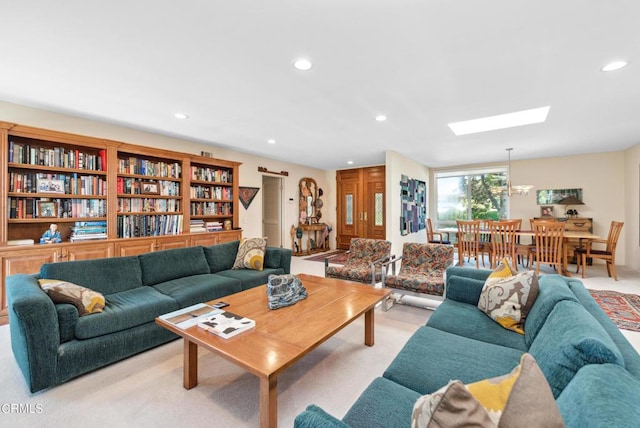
[146,390]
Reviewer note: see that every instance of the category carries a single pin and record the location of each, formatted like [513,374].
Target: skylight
[501,121]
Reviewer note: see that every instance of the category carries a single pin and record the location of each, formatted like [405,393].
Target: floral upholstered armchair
[364,261]
[421,273]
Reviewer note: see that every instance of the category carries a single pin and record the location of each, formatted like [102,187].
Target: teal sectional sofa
[53,344]
[593,371]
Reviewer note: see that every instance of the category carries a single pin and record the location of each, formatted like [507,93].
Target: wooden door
[360,205]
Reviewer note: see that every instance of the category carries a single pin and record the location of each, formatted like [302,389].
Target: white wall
[631,193]
[250,219]
[396,166]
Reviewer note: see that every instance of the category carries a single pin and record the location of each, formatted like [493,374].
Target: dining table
[581,235]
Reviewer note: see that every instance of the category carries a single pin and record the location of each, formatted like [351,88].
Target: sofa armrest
[35,335]
[277,257]
[465,284]
[314,417]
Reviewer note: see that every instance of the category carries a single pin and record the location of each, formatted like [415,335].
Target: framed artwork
[546,211]
[47,209]
[149,188]
[50,186]
[554,196]
[413,194]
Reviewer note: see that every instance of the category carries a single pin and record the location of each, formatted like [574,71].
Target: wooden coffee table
[283,336]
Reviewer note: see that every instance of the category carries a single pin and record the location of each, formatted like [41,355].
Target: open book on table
[226,324]
[190,316]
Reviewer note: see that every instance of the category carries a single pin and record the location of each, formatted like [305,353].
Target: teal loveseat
[593,371]
[53,344]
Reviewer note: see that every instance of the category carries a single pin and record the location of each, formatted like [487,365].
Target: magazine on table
[226,324]
[188,317]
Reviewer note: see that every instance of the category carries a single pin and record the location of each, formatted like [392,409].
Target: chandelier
[512,189]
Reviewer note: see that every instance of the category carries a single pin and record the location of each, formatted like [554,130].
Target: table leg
[190,365]
[269,402]
[368,327]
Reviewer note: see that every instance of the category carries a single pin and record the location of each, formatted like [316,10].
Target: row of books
[26,208]
[134,186]
[211,174]
[211,208]
[147,205]
[88,230]
[210,318]
[60,157]
[69,184]
[200,226]
[132,226]
[134,165]
[208,192]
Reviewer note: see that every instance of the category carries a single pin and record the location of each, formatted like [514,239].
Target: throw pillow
[251,254]
[85,300]
[502,271]
[520,398]
[508,300]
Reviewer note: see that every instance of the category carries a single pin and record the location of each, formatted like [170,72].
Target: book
[190,316]
[226,324]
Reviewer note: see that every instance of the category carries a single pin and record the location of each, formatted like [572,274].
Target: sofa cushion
[519,398]
[314,417]
[250,254]
[431,358]
[86,301]
[198,288]
[272,258]
[507,300]
[221,256]
[552,289]
[601,395]
[251,278]
[106,276]
[165,265]
[124,310]
[383,404]
[570,339]
[469,321]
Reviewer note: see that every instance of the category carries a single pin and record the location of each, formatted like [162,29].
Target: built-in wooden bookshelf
[108,198]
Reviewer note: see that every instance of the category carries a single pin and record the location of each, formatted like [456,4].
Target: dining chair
[485,240]
[608,254]
[469,240]
[503,242]
[547,248]
[435,237]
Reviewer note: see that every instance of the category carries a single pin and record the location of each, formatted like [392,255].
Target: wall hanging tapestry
[247,194]
[413,194]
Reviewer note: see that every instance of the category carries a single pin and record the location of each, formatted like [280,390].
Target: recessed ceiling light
[501,121]
[381,118]
[180,116]
[615,65]
[271,141]
[302,64]
[350,162]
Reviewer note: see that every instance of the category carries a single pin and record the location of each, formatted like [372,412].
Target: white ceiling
[423,63]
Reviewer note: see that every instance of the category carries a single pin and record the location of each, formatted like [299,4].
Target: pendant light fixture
[513,189]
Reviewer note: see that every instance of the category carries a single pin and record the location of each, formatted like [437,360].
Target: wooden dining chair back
[547,248]
[435,237]
[608,254]
[503,242]
[469,240]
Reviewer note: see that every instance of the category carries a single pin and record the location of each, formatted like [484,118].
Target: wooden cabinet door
[89,251]
[205,239]
[229,236]
[171,242]
[133,247]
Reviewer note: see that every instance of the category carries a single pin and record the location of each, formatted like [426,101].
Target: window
[471,195]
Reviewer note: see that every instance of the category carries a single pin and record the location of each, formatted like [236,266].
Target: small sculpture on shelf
[51,235]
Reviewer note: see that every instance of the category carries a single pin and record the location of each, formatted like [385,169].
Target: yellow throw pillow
[520,398]
[502,271]
[85,300]
[251,254]
[507,300]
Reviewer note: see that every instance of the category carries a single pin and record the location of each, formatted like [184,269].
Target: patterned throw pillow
[502,271]
[508,300]
[85,300]
[520,398]
[251,254]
